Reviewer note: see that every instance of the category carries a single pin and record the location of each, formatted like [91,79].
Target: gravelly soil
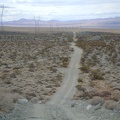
[79,109]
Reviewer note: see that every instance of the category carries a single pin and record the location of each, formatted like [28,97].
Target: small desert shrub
[65,61]
[6,71]
[111,105]
[16,67]
[54,70]
[30,95]
[97,100]
[31,65]
[6,78]
[4,64]
[85,68]
[64,64]
[83,60]
[80,80]
[96,75]
[7,101]
[80,88]
[105,93]
[7,81]
[17,72]
[13,75]
[31,69]
[59,77]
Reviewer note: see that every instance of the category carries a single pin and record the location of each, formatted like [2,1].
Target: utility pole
[37,24]
[1,17]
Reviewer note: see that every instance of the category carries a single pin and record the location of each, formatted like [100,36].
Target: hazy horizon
[60,10]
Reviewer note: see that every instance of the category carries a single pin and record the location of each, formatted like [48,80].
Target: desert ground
[59,29]
[100,67]
[59,73]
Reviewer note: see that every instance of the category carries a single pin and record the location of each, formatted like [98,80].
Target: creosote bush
[65,61]
[80,80]
[85,68]
[96,75]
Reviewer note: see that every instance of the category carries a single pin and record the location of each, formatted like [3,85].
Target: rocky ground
[81,110]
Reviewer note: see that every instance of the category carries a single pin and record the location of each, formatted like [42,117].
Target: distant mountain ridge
[94,23]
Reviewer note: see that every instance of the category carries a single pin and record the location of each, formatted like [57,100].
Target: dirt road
[65,92]
[67,88]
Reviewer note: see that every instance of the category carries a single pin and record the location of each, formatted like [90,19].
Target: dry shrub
[85,68]
[111,105]
[17,67]
[31,65]
[54,70]
[13,75]
[65,61]
[105,93]
[97,100]
[115,95]
[30,95]
[6,78]
[17,72]
[80,88]
[90,94]
[80,80]
[31,69]
[64,64]
[96,75]
[7,101]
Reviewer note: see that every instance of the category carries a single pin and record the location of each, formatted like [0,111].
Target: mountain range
[91,23]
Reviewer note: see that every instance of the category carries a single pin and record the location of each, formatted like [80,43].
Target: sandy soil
[32,29]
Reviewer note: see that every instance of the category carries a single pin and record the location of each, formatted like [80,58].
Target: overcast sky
[60,9]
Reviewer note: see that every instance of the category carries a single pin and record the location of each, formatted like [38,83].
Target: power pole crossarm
[1,17]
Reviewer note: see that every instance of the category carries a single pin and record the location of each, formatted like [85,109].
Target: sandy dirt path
[65,92]
[67,89]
